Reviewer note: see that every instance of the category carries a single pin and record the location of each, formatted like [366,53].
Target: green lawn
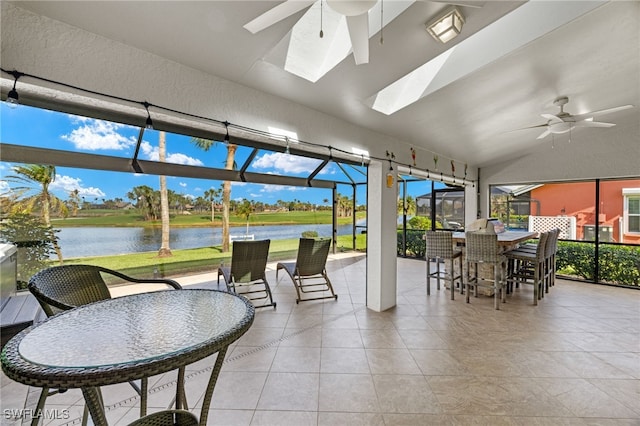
[196,260]
[133,218]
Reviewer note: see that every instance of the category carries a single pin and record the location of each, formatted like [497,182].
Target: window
[631,210]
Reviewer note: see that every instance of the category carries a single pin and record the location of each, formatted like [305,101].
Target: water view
[106,241]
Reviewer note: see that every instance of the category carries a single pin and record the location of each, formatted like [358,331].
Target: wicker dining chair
[308,272]
[247,274]
[60,288]
[167,418]
[483,249]
[439,246]
[528,267]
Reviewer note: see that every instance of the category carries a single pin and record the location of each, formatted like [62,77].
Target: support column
[381,238]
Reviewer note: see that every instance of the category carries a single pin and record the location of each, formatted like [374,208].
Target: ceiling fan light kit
[351,7]
[446,27]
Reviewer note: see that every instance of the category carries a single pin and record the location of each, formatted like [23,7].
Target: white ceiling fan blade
[544,134]
[552,118]
[359,33]
[589,123]
[470,3]
[602,111]
[277,14]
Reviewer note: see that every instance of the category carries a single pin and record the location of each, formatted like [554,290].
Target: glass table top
[133,328]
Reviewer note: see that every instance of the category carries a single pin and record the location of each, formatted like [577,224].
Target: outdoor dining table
[506,239]
[128,338]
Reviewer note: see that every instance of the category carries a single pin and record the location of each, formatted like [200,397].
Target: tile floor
[572,360]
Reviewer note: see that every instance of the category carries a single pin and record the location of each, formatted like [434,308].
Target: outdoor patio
[572,360]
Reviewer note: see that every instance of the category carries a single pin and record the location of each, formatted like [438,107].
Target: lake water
[90,241]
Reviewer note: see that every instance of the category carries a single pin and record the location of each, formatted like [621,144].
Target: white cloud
[183,184]
[286,163]
[151,153]
[278,188]
[68,184]
[95,135]
[4,187]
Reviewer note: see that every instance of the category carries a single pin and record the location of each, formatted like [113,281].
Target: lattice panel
[566,225]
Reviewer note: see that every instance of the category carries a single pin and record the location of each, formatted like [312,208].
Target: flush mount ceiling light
[447,26]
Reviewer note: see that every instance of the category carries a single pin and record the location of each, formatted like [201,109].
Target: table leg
[181,397]
[94,402]
[212,383]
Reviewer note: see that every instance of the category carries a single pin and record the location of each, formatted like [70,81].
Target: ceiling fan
[355,11]
[564,122]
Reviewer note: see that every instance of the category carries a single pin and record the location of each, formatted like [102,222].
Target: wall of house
[578,200]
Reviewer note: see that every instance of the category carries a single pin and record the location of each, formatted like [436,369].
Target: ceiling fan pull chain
[321,32]
[381,20]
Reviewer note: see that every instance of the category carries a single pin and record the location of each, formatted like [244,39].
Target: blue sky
[42,128]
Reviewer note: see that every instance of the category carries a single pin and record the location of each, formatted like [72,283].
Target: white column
[381,238]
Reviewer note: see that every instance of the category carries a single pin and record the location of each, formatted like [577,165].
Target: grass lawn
[201,259]
[133,218]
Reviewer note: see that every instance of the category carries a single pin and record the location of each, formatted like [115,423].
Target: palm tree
[146,200]
[212,195]
[27,201]
[164,251]
[244,210]
[74,201]
[206,144]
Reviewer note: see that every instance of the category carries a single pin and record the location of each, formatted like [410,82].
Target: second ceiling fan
[563,122]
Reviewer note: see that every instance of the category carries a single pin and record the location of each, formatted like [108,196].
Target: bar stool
[527,267]
[483,249]
[440,247]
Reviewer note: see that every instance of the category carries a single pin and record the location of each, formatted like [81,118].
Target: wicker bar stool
[483,249]
[527,267]
[550,259]
[440,247]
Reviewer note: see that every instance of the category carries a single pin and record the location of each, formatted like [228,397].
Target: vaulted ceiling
[506,68]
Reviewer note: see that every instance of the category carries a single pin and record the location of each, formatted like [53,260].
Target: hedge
[618,264]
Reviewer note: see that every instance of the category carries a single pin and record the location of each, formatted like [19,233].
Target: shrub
[310,234]
[416,245]
[617,264]
[34,241]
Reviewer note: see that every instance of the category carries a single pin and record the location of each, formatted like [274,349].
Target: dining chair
[60,288]
[483,249]
[167,418]
[308,272]
[550,258]
[439,246]
[247,274]
[528,267]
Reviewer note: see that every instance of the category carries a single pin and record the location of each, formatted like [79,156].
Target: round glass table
[128,338]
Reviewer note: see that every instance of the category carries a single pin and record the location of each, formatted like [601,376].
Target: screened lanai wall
[41,46]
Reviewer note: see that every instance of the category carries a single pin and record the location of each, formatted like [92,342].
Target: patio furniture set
[91,340]
[492,261]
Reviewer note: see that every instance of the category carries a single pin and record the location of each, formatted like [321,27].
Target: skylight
[525,24]
[306,55]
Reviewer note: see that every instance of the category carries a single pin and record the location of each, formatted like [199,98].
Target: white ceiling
[594,60]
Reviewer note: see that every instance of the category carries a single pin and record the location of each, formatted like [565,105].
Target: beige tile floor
[572,360]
